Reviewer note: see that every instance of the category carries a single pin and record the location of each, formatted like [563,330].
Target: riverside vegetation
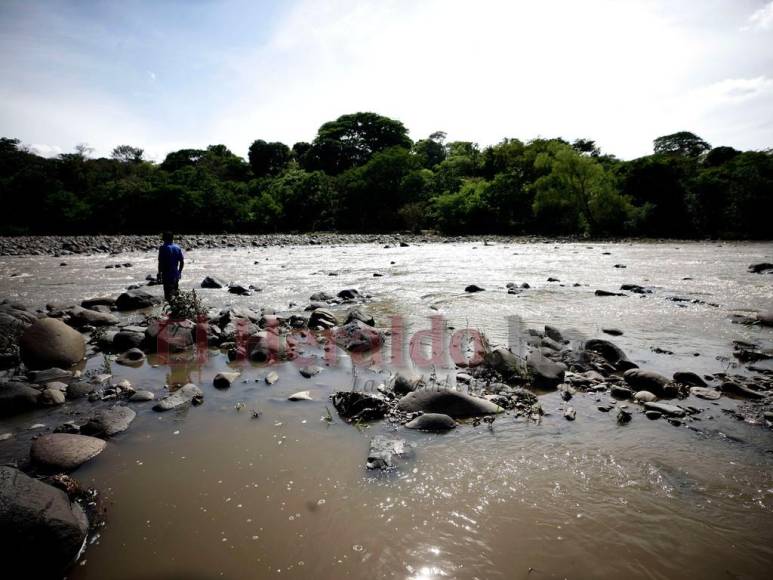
[362,172]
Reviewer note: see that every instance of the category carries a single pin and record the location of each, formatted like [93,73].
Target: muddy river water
[215,493]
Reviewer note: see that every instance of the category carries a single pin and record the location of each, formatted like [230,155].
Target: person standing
[170,265]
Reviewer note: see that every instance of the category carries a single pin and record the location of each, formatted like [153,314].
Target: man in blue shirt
[170,265]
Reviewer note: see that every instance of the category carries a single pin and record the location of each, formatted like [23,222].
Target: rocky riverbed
[456,393]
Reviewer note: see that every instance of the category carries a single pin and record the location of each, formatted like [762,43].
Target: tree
[268,158]
[431,151]
[681,143]
[586,147]
[127,154]
[351,140]
[719,156]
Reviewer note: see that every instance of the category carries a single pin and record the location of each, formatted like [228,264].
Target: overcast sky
[165,75]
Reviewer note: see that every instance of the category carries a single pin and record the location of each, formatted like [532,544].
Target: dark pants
[170,289]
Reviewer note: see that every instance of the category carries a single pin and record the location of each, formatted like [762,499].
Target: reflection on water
[212,492]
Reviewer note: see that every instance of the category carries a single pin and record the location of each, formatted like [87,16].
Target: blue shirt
[170,257]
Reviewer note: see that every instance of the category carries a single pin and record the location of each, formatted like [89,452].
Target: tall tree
[268,158]
[681,143]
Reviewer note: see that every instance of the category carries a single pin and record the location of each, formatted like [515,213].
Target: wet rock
[644,397]
[271,378]
[623,416]
[473,288]
[185,396]
[79,390]
[402,385]
[551,344]
[169,335]
[544,372]
[322,318]
[739,390]
[357,336]
[51,398]
[505,363]
[320,297]
[620,392]
[705,393]
[761,268]
[385,451]
[688,378]
[552,279]
[142,396]
[643,380]
[125,340]
[309,371]
[49,375]
[90,303]
[109,422]
[212,282]
[79,317]
[239,289]
[133,357]
[271,321]
[608,293]
[432,422]
[42,531]
[359,406]
[17,397]
[570,414]
[349,294]
[300,396]
[224,380]
[135,300]
[612,331]
[612,353]
[452,403]
[358,314]
[653,414]
[51,343]
[635,288]
[665,409]
[63,451]
[553,333]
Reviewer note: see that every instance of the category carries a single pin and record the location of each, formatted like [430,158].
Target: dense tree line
[363,173]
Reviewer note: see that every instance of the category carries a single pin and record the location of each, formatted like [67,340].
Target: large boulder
[357,336]
[642,380]
[14,320]
[169,335]
[544,373]
[447,402]
[109,422]
[51,343]
[17,397]
[612,353]
[212,282]
[125,340]
[505,363]
[78,317]
[63,451]
[42,531]
[136,299]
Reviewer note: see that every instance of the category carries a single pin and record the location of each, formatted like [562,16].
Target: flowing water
[215,493]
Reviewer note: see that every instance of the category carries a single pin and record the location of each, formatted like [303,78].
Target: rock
[239,289]
[570,414]
[612,331]
[649,381]
[133,357]
[136,299]
[358,314]
[385,451]
[271,321]
[322,318]
[320,297]
[452,403]
[51,398]
[51,343]
[505,363]
[90,303]
[623,416]
[761,268]
[224,380]
[212,282]
[545,373]
[49,375]
[432,422]
[309,371]
[79,390]
[636,289]
[170,335]
[183,397]
[552,279]
[474,288]
[553,333]
[127,339]
[16,397]
[357,336]
[612,353]
[63,451]
[79,317]
[109,422]
[142,396]
[608,293]
[733,388]
[349,294]
[300,396]
[620,392]
[548,342]
[271,378]
[358,406]
[42,531]
[402,385]
[705,393]
[688,378]
[665,409]
[652,414]
[644,397]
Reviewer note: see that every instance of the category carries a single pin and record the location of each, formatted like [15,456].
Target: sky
[165,75]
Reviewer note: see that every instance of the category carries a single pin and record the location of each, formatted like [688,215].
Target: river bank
[567,453]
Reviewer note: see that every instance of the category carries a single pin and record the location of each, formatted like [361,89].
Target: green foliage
[185,305]
[363,173]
